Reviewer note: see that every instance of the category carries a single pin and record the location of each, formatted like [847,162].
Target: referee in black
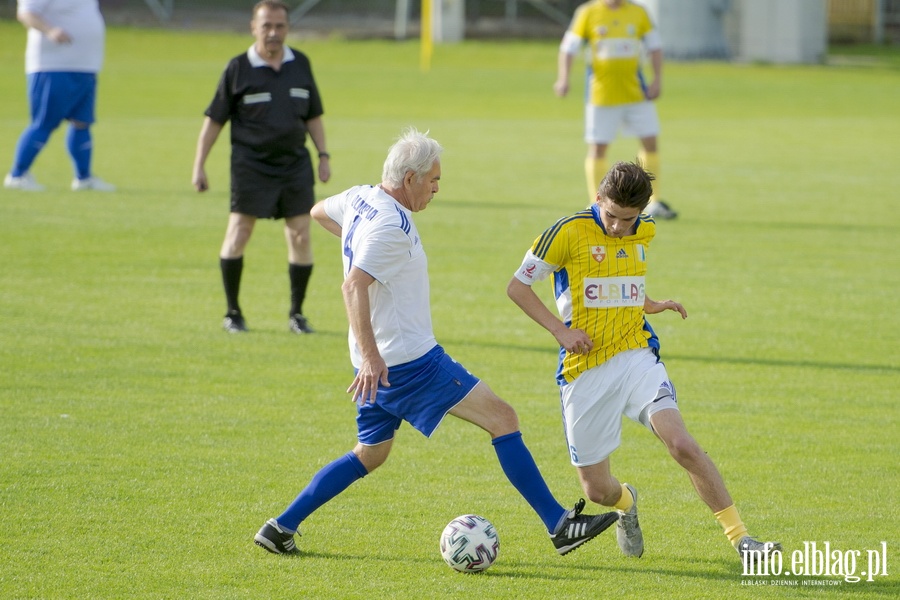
[271,98]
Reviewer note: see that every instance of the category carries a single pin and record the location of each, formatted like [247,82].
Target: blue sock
[78,142]
[330,481]
[523,473]
[31,142]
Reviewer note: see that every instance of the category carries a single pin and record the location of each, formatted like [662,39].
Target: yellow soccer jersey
[615,37]
[598,284]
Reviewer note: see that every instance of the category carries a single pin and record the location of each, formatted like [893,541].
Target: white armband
[653,41]
[533,269]
[570,44]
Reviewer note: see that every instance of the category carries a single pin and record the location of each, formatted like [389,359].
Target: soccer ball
[470,544]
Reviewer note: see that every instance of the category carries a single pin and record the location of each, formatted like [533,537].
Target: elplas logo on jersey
[613,292]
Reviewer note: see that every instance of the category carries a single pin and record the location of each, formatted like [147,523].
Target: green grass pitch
[141,447]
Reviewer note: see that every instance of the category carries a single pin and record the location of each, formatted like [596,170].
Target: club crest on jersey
[598,252]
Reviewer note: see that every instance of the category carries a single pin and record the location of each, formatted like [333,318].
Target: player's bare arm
[655,88]
[317,132]
[373,369]
[31,20]
[564,67]
[318,213]
[209,133]
[652,307]
[575,341]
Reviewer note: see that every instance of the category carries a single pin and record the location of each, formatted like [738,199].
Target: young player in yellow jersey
[618,96]
[609,356]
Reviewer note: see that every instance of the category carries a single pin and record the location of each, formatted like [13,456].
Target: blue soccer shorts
[55,97]
[422,392]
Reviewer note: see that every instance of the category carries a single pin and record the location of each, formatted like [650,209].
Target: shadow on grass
[554,569]
[764,362]
[721,571]
[882,227]
[803,364]
[718,570]
[254,331]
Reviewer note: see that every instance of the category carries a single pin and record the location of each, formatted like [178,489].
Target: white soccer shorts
[632,383]
[602,123]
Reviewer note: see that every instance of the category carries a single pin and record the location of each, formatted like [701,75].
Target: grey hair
[415,152]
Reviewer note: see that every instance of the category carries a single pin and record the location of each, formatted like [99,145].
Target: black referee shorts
[270,197]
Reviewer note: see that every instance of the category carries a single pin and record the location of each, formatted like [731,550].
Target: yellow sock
[594,170]
[626,501]
[731,522]
[650,162]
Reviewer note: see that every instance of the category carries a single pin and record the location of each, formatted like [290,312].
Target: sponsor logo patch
[613,292]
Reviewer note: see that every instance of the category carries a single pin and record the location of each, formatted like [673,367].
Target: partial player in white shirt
[63,55]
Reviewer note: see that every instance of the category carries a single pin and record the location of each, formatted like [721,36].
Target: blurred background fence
[845,21]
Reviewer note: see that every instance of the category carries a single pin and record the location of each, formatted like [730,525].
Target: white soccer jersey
[82,20]
[379,237]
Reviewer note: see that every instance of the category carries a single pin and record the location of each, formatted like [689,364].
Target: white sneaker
[24,182]
[92,183]
[628,530]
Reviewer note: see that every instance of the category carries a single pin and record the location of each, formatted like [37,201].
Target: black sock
[231,279]
[299,275]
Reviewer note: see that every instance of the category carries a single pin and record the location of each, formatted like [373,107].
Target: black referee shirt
[268,110]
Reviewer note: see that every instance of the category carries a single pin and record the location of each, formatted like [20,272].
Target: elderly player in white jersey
[402,373]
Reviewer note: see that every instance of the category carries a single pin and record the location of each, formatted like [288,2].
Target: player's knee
[301,244]
[499,419]
[373,464]
[233,248]
[371,457]
[237,237]
[684,448]
[299,247]
[507,421]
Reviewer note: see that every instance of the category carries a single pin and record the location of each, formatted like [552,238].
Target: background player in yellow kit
[617,96]
[609,355]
